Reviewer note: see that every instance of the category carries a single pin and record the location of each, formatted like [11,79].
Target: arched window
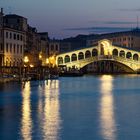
[129,55]
[87,54]
[80,56]
[94,52]
[122,53]
[67,59]
[60,60]
[115,52]
[73,57]
[135,57]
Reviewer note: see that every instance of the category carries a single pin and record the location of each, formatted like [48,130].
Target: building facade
[54,47]
[128,39]
[14,42]
[44,48]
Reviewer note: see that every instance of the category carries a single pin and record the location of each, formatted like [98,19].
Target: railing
[106,57]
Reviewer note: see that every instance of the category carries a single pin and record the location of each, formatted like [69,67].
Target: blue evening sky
[64,18]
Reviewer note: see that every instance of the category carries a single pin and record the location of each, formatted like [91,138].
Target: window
[56,47]
[11,48]
[74,57]
[7,47]
[17,48]
[21,37]
[14,36]
[60,60]
[14,48]
[6,34]
[10,35]
[52,47]
[21,49]
[17,37]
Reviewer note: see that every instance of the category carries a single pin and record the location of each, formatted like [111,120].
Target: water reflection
[50,111]
[107,119]
[26,122]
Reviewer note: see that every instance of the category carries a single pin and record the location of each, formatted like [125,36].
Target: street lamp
[31,65]
[26,59]
[47,61]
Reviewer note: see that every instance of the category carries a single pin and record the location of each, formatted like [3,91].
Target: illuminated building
[13,35]
[14,42]
[37,47]
[18,39]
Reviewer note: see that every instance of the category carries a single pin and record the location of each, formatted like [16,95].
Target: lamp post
[26,64]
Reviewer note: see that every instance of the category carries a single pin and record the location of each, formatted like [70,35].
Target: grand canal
[101,107]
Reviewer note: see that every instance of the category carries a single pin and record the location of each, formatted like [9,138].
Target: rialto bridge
[127,59]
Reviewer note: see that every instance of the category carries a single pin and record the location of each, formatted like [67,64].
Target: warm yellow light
[52,60]
[31,65]
[26,59]
[26,120]
[40,56]
[107,119]
[47,61]
[107,47]
[51,123]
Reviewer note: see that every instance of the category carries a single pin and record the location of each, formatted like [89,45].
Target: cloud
[119,22]
[113,22]
[131,10]
[99,29]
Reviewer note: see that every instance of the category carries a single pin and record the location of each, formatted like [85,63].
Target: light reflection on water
[48,111]
[79,108]
[26,123]
[51,113]
[107,117]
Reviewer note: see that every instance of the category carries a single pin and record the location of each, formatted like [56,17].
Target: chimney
[2,11]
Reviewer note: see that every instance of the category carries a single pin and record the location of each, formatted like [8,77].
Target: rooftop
[14,16]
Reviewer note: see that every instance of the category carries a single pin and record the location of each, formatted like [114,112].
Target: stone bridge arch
[124,67]
[104,51]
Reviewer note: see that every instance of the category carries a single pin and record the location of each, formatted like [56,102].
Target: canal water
[101,107]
